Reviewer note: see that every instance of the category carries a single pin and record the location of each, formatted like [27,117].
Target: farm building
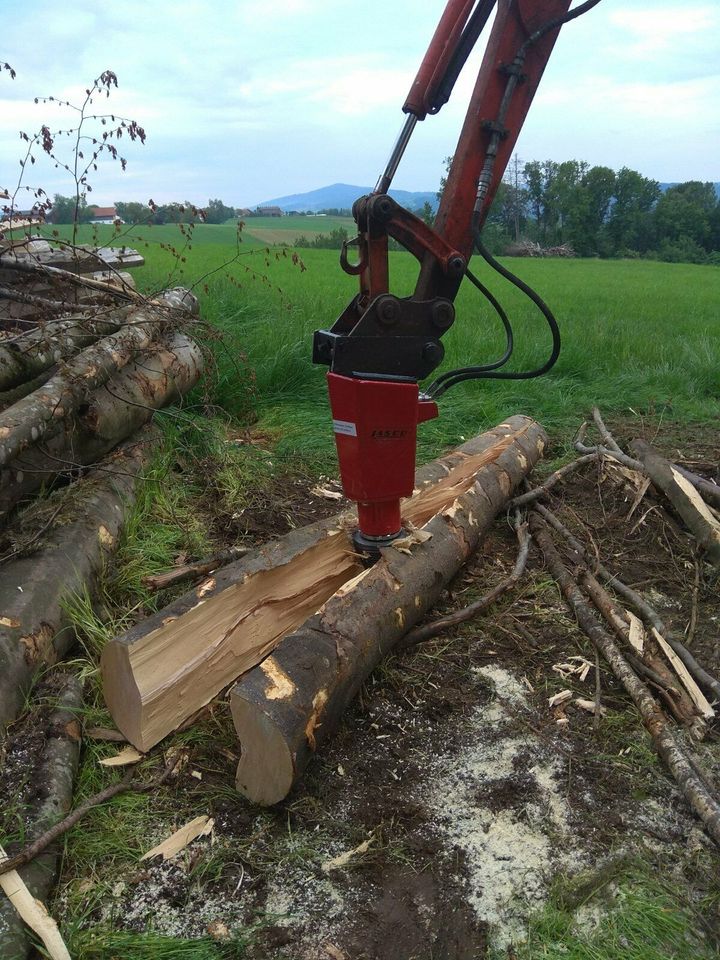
[104,215]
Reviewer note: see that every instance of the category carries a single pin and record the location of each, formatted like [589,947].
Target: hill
[340,196]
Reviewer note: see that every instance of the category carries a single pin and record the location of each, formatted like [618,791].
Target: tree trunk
[164,669]
[112,413]
[34,630]
[293,701]
[24,357]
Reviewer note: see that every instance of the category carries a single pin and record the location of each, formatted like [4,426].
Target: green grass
[638,917]
[638,337]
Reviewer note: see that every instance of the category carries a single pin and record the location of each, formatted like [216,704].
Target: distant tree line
[599,212]
[63,211]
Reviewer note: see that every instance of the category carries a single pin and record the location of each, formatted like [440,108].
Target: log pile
[85,361]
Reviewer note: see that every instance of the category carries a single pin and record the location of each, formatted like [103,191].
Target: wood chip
[334,952]
[33,912]
[123,759]
[105,733]
[557,698]
[403,544]
[637,633]
[337,863]
[590,706]
[695,693]
[169,848]
[325,493]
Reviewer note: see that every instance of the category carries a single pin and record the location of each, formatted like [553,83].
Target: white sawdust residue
[514,845]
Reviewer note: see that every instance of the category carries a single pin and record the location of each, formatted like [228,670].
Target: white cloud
[653,31]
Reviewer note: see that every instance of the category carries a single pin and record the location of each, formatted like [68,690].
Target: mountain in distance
[341,196]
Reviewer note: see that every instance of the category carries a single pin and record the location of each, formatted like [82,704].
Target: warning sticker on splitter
[346,427]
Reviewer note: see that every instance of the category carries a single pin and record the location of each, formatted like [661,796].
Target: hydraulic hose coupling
[375,425]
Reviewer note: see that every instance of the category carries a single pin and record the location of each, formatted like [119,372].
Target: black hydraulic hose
[453,377]
[446,380]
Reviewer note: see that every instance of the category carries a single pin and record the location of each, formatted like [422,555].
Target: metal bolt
[443,314]
[387,310]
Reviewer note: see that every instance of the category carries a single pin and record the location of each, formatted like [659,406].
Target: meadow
[639,337]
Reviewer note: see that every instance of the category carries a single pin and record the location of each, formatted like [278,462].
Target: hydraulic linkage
[382,345]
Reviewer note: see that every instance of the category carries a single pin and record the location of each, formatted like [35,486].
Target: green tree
[133,212]
[217,212]
[630,223]
[63,210]
[686,212]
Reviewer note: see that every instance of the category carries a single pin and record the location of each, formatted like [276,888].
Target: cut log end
[122,695]
[264,775]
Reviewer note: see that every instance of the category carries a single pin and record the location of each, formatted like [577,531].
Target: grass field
[637,336]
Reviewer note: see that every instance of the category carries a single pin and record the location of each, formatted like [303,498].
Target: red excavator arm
[382,345]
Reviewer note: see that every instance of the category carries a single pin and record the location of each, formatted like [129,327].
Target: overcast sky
[247,100]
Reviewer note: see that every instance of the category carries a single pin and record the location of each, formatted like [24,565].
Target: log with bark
[27,355]
[54,778]
[27,421]
[167,667]
[34,627]
[290,704]
[112,413]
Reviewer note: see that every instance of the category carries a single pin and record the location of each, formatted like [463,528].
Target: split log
[166,668]
[34,627]
[29,419]
[285,708]
[685,499]
[111,414]
[55,776]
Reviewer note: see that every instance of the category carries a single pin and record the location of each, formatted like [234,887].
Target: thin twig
[24,547]
[429,630]
[125,785]
[636,601]
[608,438]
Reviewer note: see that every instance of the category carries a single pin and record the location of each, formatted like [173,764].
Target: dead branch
[637,602]
[17,296]
[672,753]
[607,437]
[429,630]
[191,571]
[682,706]
[126,785]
